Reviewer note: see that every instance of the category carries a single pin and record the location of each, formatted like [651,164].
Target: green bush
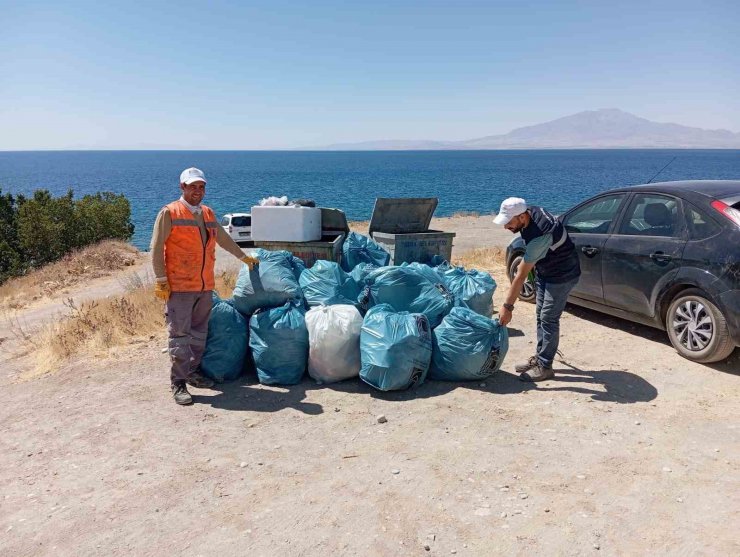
[41,229]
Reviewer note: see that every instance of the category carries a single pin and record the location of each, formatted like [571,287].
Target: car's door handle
[590,250]
[660,256]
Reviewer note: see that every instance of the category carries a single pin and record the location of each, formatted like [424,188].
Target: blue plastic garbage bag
[438,261]
[279,341]
[226,344]
[430,273]
[327,284]
[405,289]
[472,289]
[395,348]
[270,284]
[361,249]
[360,273]
[467,346]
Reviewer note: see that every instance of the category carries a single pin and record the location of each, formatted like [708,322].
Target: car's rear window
[241,221]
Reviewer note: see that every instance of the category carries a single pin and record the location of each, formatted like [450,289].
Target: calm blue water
[463,180]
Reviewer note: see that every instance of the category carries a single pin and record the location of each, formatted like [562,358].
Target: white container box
[286,224]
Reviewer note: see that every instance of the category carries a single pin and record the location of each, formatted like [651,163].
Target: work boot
[537,373]
[200,381]
[531,364]
[181,395]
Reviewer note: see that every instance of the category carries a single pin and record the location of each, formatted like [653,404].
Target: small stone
[164,350]
[242,465]
[503,514]
[666,469]
[482,384]
[523,496]
[427,548]
[716,450]
[581,477]
[679,499]
[637,423]
[547,510]
[382,419]
[337,410]
[597,546]
[453,551]
[432,537]
[395,471]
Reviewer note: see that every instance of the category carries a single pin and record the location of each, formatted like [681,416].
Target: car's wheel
[528,289]
[697,329]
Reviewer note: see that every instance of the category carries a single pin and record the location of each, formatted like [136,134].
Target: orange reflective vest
[189,263]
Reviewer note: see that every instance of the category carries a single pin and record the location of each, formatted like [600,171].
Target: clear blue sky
[283,74]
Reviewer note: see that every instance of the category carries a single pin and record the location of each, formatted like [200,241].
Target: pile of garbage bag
[360,273]
[226,345]
[467,346]
[334,342]
[278,339]
[418,320]
[406,289]
[395,348]
[327,284]
[361,249]
[270,284]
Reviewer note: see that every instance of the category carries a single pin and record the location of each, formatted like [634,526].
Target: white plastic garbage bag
[334,342]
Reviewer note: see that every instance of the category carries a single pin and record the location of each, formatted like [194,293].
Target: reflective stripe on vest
[188,262]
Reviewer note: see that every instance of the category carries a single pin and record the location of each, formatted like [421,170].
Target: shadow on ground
[246,395]
[729,365]
[602,385]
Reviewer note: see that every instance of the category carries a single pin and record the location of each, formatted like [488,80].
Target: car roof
[238,215]
[712,188]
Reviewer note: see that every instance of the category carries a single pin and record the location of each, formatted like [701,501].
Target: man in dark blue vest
[552,254]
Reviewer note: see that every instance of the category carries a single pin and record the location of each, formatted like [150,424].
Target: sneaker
[181,395]
[537,373]
[200,381]
[531,364]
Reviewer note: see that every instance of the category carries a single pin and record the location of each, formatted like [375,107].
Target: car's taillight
[231,229]
[730,212]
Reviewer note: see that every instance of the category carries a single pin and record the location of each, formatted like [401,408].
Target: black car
[665,255]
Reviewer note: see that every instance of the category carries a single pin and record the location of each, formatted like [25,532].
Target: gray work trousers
[186,314]
[551,300]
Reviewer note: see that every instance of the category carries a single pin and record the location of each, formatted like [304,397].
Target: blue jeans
[551,299]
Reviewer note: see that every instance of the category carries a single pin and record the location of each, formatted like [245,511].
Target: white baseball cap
[190,175]
[510,208]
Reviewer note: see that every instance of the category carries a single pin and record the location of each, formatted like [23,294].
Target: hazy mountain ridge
[591,129]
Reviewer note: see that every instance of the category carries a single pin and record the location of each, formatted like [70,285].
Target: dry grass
[99,260]
[94,328]
[491,259]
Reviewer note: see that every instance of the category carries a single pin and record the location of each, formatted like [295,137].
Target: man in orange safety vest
[183,257]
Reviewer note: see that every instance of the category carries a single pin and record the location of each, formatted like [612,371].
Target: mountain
[608,128]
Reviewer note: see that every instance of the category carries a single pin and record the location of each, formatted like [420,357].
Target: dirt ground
[630,450]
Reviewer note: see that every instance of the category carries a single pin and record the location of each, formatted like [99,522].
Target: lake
[462,180]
